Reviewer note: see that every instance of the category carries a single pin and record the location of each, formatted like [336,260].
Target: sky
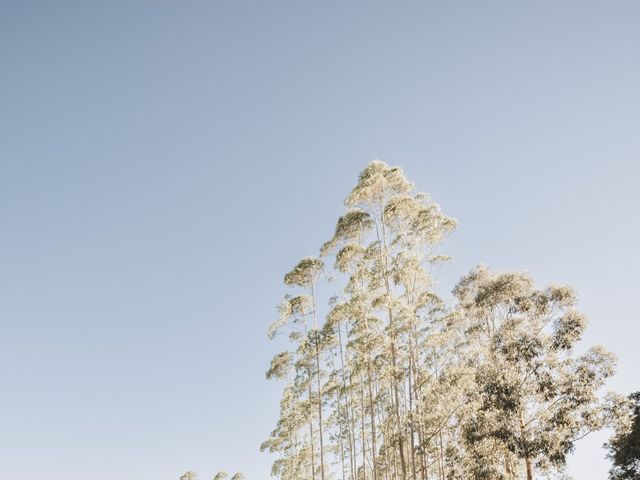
[163,164]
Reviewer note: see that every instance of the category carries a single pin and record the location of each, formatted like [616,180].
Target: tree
[189,476]
[386,242]
[304,396]
[624,446]
[534,397]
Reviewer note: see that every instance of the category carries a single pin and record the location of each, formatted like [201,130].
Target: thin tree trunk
[341,436]
[410,397]
[373,423]
[313,463]
[364,431]
[440,443]
[318,381]
[348,403]
[320,410]
[527,457]
[394,383]
[527,462]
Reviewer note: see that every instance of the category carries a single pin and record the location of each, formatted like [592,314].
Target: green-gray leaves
[305,272]
[568,330]
[280,366]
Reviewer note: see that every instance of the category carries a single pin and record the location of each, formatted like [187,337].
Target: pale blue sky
[162,164]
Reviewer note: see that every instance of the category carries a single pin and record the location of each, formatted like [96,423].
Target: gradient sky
[164,163]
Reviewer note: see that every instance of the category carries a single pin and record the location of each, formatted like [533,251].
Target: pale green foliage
[394,384]
[280,366]
[376,182]
[349,227]
[535,399]
[304,273]
[568,329]
[222,475]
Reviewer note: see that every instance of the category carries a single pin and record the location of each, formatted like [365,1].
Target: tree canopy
[383,379]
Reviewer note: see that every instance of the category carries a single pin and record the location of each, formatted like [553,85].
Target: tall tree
[535,398]
[299,322]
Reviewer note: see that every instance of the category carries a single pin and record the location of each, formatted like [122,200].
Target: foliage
[624,446]
[222,475]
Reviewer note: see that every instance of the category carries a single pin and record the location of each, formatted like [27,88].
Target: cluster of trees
[383,380]
[218,476]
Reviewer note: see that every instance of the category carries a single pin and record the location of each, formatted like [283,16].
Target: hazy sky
[163,164]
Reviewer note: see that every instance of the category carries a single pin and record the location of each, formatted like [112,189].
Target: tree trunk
[527,457]
[527,462]
[319,384]
[313,463]
[373,424]
[348,408]
[364,431]
[394,383]
[320,410]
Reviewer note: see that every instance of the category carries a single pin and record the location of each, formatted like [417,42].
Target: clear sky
[164,163]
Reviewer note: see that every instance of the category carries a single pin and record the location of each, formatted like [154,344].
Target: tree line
[384,380]
[222,475]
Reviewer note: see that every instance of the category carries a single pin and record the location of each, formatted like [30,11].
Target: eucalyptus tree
[299,321]
[535,397]
[189,476]
[294,414]
[362,333]
[386,244]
